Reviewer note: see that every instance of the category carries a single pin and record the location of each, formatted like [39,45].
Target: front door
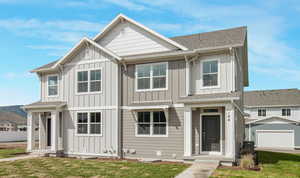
[48,131]
[210,134]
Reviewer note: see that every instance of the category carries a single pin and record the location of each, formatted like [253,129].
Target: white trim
[187,77]
[93,108]
[88,62]
[201,73]
[283,118]
[221,134]
[70,153]
[270,106]
[89,81]
[187,131]
[151,77]
[57,85]
[146,107]
[88,134]
[151,125]
[120,17]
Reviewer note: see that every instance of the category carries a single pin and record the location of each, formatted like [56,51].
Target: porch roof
[210,97]
[47,104]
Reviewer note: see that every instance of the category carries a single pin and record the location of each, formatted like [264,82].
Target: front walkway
[199,170]
[19,158]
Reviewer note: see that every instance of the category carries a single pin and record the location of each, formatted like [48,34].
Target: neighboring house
[10,121]
[273,119]
[131,92]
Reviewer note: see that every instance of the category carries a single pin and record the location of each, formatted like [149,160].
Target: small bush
[247,162]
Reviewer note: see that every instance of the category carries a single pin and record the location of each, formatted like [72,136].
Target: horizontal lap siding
[147,147]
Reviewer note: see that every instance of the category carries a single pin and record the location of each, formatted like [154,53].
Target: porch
[45,127]
[209,132]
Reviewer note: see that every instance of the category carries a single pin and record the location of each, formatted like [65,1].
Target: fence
[13,136]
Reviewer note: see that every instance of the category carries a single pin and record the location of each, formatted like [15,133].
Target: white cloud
[47,47]
[127,4]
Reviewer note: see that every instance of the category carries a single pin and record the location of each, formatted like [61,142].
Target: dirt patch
[257,168]
[11,145]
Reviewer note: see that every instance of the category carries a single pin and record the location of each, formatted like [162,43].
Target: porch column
[42,132]
[187,77]
[230,131]
[54,131]
[187,131]
[30,132]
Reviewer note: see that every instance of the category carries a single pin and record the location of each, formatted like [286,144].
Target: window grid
[89,123]
[89,81]
[53,85]
[151,76]
[210,73]
[286,112]
[261,112]
[152,123]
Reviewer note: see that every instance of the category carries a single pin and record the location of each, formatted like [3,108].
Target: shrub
[247,162]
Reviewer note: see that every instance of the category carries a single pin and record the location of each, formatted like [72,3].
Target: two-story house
[273,119]
[132,92]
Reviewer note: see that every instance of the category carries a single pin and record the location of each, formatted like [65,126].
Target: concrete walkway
[19,158]
[199,170]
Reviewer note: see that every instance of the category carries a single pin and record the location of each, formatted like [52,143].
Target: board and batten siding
[128,39]
[274,111]
[170,147]
[226,75]
[89,58]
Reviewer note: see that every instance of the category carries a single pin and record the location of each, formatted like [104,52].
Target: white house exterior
[131,92]
[273,119]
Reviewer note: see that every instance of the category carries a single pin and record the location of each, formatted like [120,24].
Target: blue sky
[35,32]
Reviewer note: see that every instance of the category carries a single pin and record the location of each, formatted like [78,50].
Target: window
[210,110]
[89,81]
[52,85]
[152,124]
[261,112]
[151,76]
[210,73]
[286,112]
[89,123]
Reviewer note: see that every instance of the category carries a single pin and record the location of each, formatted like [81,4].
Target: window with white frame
[210,72]
[89,81]
[286,112]
[152,123]
[89,123]
[261,112]
[52,85]
[151,76]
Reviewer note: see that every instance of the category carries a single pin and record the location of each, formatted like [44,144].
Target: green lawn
[68,167]
[272,165]
[10,152]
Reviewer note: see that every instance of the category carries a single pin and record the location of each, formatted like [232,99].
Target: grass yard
[69,167]
[10,152]
[273,165]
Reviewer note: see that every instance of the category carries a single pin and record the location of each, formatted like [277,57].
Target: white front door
[280,139]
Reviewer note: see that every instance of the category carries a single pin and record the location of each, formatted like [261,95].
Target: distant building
[10,121]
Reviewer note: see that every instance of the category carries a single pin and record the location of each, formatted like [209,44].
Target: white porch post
[54,131]
[187,77]
[40,131]
[30,132]
[230,131]
[187,131]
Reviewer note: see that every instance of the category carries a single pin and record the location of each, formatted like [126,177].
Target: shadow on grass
[267,157]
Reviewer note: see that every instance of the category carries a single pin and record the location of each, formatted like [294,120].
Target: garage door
[275,139]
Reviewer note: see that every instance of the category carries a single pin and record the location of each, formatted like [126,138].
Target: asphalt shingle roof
[284,97]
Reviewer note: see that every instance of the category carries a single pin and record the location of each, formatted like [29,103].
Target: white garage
[280,139]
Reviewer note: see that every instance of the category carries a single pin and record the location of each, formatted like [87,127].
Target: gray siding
[171,147]
[176,85]
[255,127]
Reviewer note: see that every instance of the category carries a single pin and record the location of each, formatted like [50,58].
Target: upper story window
[210,73]
[286,112]
[89,81]
[151,76]
[89,123]
[261,112]
[52,85]
[152,123]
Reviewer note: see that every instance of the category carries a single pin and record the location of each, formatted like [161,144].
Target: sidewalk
[19,158]
[199,170]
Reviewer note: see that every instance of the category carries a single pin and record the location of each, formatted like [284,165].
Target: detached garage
[282,139]
[274,132]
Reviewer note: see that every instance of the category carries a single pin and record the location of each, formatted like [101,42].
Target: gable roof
[268,98]
[272,117]
[55,64]
[122,17]
[220,38]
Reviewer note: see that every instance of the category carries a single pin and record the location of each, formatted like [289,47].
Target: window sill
[210,87]
[150,90]
[88,135]
[89,93]
[155,136]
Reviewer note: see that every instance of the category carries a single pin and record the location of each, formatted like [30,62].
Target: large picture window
[89,123]
[52,85]
[152,123]
[210,72]
[151,76]
[89,81]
